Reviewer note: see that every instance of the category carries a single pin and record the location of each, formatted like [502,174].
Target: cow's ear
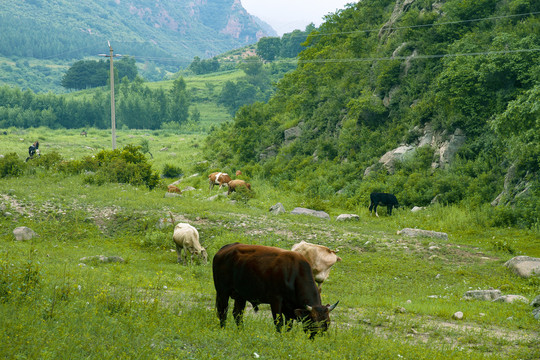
[301,313]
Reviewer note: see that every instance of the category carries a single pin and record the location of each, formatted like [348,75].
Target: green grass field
[397,294]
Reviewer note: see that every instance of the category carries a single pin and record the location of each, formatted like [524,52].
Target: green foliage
[207,66]
[125,166]
[11,165]
[358,93]
[171,171]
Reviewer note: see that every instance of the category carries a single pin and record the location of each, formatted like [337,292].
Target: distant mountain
[167,32]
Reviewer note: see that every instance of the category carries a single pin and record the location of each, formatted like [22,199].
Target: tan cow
[233,184]
[174,189]
[319,257]
[186,238]
[218,178]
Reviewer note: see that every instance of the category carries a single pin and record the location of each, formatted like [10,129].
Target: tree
[178,102]
[269,48]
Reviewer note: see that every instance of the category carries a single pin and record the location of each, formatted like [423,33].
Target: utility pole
[111,75]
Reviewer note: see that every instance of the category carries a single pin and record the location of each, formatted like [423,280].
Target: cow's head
[203,255]
[316,318]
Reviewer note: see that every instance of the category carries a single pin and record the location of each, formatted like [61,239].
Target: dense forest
[377,75]
[137,107]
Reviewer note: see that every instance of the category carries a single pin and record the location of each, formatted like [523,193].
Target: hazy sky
[287,15]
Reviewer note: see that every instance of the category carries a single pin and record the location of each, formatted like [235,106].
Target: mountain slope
[163,31]
[380,74]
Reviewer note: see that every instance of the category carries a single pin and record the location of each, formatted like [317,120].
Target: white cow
[186,237]
[319,257]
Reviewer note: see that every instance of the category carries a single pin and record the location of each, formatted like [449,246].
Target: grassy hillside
[397,294]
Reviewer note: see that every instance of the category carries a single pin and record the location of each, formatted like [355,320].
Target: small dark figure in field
[33,150]
[84,133]
[388,200]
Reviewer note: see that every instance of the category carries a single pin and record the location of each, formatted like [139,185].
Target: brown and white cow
[186,238]
[218,178]
[234,184]
[319,257]
[268,275]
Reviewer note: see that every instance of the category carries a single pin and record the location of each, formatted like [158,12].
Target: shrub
[127,166]
[171,171]
[11,165]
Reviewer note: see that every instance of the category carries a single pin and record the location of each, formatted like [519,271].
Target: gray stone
[24,233]
[348,217]
[419,232]
[511,298]
[277,209]
[536,302]
[487,295]
[398,154]
[169,195]
[101,259]
[524,266]
[304,211]
[458,315]
[536,313]
[417,208]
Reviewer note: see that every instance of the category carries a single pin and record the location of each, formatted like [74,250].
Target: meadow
[397,294]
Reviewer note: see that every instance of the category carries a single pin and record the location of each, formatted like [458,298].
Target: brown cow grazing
[319,257]
[218,178]
[174,189]
[268,275]
[234,184]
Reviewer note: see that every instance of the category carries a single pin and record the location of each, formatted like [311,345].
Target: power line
[428,25]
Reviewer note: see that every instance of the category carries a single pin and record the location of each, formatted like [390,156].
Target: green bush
[125,166]
[11,165]
[171,171]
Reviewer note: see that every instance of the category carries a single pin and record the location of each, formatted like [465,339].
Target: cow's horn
[309,308]
[333,306]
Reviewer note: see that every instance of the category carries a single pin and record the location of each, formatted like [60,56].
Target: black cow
[268,275]
[388,200]
[33,150]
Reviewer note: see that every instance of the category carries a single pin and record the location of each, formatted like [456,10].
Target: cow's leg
[277,314]
[178,253]
[185,255]
[371,208]
[238,311]
[389,208]
[376,204]
[222,306]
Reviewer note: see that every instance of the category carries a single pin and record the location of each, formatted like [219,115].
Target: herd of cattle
[288,280]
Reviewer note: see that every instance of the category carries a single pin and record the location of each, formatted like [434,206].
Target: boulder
[348,217]
[524,266]
[458,315]
[304,211]
[101,259]
[419,232]
[417,208]
[24,233]
[170,194]
[277,209]
[511,298]
[536,302]
[487,295]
